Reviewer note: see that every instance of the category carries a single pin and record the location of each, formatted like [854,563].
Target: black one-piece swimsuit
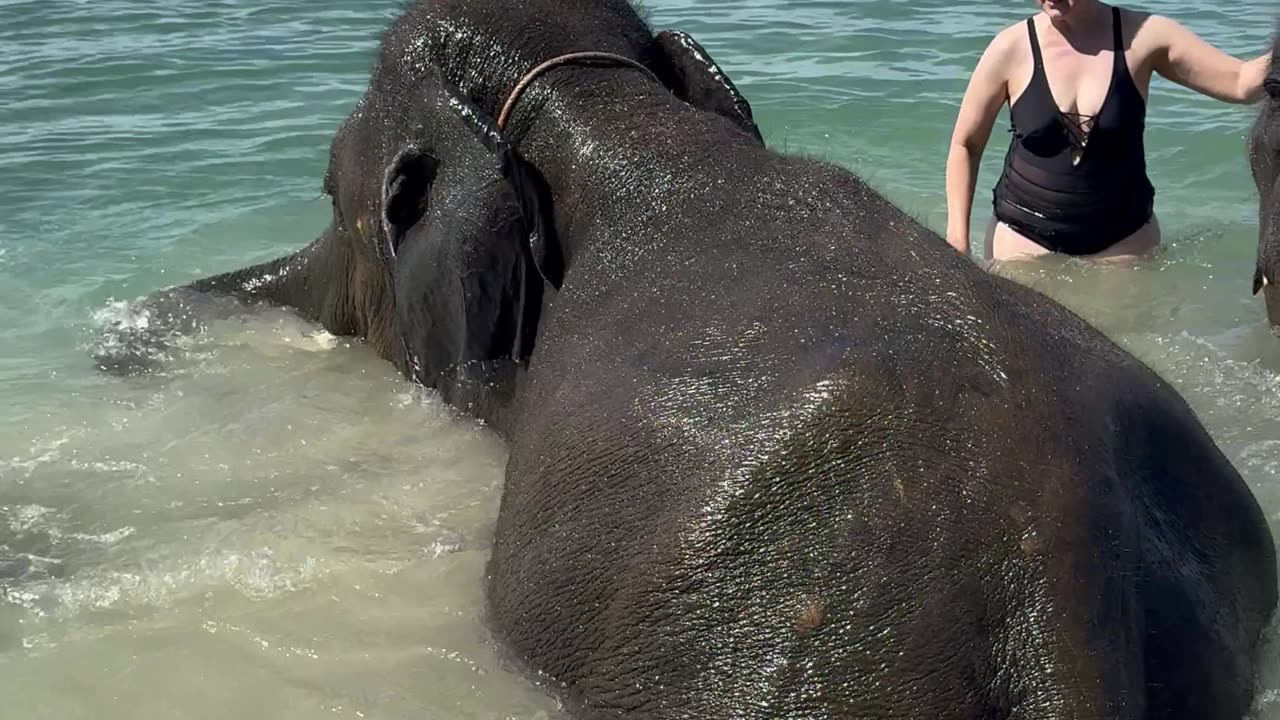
[1067,187]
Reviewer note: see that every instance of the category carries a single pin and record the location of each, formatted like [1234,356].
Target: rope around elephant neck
[578,57]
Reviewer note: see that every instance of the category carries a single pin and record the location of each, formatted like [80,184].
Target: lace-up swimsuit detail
[1076,184]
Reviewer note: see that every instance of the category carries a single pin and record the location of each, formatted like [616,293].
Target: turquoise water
[277,526]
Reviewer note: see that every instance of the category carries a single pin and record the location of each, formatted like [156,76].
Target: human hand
[958,238]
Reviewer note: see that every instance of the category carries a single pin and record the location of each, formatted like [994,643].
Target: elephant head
[1264,163]
[444,238]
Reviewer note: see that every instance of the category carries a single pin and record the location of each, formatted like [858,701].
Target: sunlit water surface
[276,526]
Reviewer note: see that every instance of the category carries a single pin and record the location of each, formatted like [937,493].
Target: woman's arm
[1184,58]
[988,89]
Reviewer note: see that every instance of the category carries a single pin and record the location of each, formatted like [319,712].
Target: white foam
[25,517]
[256,574]
[124,314]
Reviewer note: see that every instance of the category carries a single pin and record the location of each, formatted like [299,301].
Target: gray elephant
[776,451]
[1264,161]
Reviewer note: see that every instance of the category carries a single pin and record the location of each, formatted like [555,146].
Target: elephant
[775,450]
[1264,162]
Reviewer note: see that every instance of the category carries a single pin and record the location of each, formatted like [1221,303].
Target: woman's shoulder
[1010,39]
[1147,30]
[1007,50]
[1010,44]
[1015,33]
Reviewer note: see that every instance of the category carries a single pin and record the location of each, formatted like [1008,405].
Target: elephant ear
[459,215]
[690,72]
[531,191]
[534,198]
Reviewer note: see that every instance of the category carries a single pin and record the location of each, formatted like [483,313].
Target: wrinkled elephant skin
[776,450]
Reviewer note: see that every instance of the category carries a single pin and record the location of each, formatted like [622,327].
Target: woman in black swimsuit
[1075,77]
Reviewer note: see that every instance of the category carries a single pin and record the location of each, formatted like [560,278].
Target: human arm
[1184,58]
[987,91]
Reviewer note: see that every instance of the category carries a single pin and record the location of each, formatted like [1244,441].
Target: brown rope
[533,74]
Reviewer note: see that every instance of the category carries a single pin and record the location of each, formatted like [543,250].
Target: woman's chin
[1056,10]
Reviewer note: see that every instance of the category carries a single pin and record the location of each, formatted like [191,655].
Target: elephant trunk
[325,282]
[275,282]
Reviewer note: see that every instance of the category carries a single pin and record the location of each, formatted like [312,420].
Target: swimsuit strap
[1035,44]
[1118,32]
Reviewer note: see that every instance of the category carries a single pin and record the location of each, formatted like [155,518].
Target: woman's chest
[1082,83]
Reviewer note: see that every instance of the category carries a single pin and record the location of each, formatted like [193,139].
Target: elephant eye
[338,220]
[330,188]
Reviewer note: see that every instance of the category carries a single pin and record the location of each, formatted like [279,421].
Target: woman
[1075,77]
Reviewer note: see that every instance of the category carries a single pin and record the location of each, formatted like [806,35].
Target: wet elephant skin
[776,451]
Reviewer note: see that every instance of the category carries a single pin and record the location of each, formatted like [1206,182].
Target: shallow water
[277,526]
